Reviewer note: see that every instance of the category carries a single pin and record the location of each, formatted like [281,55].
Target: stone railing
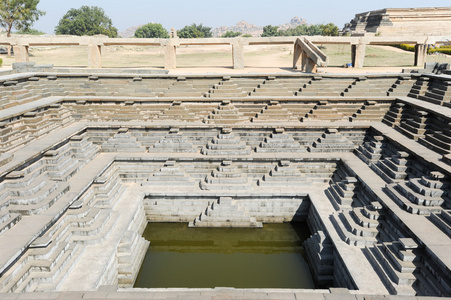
[21,45]
[309,55]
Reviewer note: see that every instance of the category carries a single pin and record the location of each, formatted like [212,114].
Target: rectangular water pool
[268,257]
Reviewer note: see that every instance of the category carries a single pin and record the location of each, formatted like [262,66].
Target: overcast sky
[178,13]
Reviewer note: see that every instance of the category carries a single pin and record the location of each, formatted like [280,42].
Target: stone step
[436,143]
[390,278]
[418,198]
[407,205]
[443,221]
[8,221]
[348,237]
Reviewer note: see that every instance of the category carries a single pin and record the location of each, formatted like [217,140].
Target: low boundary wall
[21,46]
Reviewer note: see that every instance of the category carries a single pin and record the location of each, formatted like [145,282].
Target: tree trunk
[8,34]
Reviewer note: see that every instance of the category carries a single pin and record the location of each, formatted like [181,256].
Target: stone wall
[402,22]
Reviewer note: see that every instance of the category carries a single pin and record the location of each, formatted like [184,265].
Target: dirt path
[391,48]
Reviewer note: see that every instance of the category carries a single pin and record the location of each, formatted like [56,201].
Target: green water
[179,256]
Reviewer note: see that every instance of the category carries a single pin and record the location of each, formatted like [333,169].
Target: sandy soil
[218,59]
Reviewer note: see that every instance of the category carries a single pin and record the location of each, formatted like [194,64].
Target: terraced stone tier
[86,160]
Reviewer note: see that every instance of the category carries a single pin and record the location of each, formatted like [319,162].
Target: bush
[270,30]
[30,31]
[152,30]
[406,47]
[194,31]
[1,62]
[231,34]
[440,50]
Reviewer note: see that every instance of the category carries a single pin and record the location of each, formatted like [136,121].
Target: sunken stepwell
[88,159]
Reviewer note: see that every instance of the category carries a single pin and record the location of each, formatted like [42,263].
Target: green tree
[310,30]
[152,30]
[19,14]
[30,31]
[231,34]
[270,30]
[86,21]
[329,29]
[194,31]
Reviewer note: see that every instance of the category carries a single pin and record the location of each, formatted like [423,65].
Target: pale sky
[178,13]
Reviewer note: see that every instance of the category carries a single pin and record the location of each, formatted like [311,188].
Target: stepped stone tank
[87,159]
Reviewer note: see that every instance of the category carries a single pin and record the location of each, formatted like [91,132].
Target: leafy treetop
[86,21]
[316,29]
[194,31]
[152,30]
[231,34]
[270,30]
[20,14]
[30,31]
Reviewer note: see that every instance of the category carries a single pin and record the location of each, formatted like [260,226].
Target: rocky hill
[242,26]
[254,30]
[129,32]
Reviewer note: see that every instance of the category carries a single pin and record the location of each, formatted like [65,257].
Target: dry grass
[215,56]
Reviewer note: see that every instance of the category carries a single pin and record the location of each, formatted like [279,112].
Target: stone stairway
[226,114]
[12,137]
[107,189]
[371,111]
[299,110]
[31,191]
[51,257]
[173,141]
[415,127]
[45,267]
[419,87]
[226,143]
[272,87]
[225,212]
[351,232]
[279,141]
[394,115]
[283,174]
[431,90]
[171,174]
[187,88]
[233,87]
[122,141]
[324,87]
[393,168]
[443,221]
[323,111]
[8,220]
[130,253]
[226,89]
[429,281]
[371,151]
[341,191]
[396,264]
[274,112]
[372,87]
[401,87]
[319,250]
[332,141]
[422,196]
[226,177]
[179,111]
[15,93]
[438,140]
[360,226]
